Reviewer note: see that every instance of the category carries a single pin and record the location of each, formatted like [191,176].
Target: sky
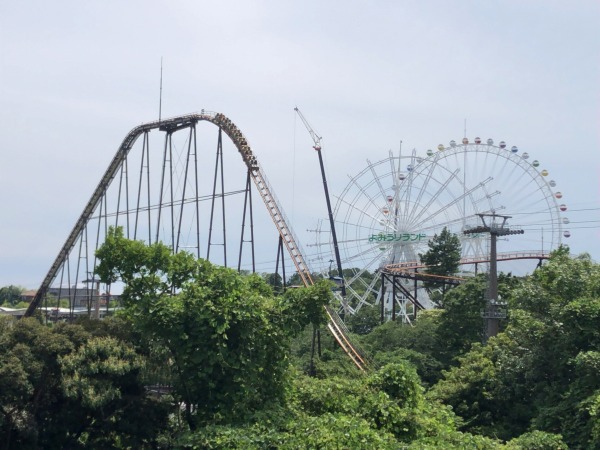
[76,77]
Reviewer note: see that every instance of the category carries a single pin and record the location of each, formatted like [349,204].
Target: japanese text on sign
[393,237]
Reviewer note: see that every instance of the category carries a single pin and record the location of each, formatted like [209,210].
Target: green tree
[102,378]
[299,431]
[487,390]
[62,388]
[537,440]
[226,336]
[296,281]
[418,343]
[442,258]
[461,324]
[275,281]
[10,295]
[562,299]
[541,372]
[389,400]
[364,321]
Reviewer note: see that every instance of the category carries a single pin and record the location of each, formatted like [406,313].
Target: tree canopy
[72,387]
[226,336]
[10,295]
[442,257]
[234,356]
[541,373]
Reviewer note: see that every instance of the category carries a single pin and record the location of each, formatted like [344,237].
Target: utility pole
[494,307]
[317,146]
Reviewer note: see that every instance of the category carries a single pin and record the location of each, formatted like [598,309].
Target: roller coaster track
[411,269]
[510,256]
[290,241]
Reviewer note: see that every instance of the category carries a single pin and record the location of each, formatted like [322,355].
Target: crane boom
[336,325]
[315,137]
[317,140]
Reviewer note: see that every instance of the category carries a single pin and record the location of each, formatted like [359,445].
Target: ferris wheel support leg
[415,295]
[393,298]
[381,298]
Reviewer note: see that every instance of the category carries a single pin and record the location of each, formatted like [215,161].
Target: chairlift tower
[495,309]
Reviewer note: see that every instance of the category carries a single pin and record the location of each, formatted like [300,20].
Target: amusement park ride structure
[384,218]
[388,213]
[96,207]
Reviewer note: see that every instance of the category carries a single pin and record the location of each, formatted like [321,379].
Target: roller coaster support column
[494,309]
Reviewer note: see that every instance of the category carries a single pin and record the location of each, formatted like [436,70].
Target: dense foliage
[542,372]
[10,295]
[237,358]
[225,337]
[73,386]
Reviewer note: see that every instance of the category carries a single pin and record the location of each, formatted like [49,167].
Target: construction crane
[317,146]
[315,137]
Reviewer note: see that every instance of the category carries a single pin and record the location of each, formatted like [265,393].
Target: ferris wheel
[390,210]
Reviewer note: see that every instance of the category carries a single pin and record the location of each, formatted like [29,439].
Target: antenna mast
[160,96]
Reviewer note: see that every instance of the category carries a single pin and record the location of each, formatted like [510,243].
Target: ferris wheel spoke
[424,186]
[359,279]
[502,169]
[411,175]
[456,200]
[487,197]
[355,226]
[351,243]
[376,178]
[352,206]
[364,253]
[409,185]
[362,270]
[362,190]
[441,189]
[447,223]
[362,299]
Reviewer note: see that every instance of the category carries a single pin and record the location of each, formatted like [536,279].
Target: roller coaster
[174,203]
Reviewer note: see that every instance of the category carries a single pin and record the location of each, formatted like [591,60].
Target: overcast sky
[76,76]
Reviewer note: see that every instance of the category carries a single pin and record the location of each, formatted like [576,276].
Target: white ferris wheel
[391,209]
